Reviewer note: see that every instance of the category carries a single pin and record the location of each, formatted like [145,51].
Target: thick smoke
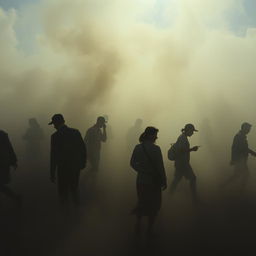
[168,62]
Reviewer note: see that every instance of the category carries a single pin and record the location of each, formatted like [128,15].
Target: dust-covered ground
[223,224]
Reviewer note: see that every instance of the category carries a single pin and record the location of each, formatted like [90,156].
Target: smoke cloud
[168,62]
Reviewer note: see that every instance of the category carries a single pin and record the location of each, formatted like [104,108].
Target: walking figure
[68,157]
[182,161]
[33,137]
[239,157]
[147,161]
[93,139]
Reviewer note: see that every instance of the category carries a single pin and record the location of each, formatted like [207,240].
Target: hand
[253,153]
[195,148]
[53,180]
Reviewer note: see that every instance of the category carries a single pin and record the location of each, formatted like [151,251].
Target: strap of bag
[148,156]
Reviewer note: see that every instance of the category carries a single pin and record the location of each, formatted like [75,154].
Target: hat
[56,119]
[190,127]
[147,134]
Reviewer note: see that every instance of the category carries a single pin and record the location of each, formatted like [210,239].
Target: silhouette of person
[110,130]
[33,137]
[239,156]
[147,161]
[182,165]
[68,157]
[7,159]
[93,139]
[133,134]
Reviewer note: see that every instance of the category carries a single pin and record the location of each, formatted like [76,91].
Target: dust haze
[167,62]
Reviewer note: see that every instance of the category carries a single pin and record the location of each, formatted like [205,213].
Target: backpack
[172,152]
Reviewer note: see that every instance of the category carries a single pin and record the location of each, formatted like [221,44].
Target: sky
[168,62]
[239,21]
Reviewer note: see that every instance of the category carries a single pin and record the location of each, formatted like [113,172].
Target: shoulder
[138,146]
[156,147]
[238,137]
[182,138]
[54,134]
[157,150]
[152,147]
[90,130]
[73,130]
[2,133]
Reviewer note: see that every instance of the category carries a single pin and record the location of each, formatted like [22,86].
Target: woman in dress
[147,161]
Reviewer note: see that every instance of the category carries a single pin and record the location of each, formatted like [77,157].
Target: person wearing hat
[147,161]
[239,156]
[94,136]
[68,157]
[182,161]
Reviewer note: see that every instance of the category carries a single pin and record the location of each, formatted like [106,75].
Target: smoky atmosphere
[127,127]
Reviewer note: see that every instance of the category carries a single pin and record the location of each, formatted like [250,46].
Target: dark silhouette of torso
[67,149]
[68,156]
[7,158]
[240,148]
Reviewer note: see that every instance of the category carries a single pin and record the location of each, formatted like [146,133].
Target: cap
[190,127]
[57,118]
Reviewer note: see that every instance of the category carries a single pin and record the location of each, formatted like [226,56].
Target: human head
[246,127]
[33,122]
[100,121]
[189,129]
[150,134]
[57,121]
[138,122]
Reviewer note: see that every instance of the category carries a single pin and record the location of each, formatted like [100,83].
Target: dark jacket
[183,153]
[147,161]
[93,139]
[7,158]
[240,148]
[67,150]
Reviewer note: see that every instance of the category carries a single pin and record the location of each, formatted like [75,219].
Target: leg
[151,222]
[96,161]
[74,186]
[193,189]
[9,193]
[138,224]
[245,175]
[231,179]
[63,186]
[175,182]
[240,168]
[192,181]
